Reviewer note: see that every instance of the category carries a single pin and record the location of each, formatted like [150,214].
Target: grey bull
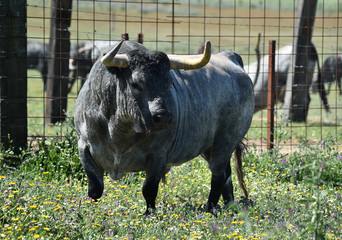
[37,58]
[282,64]
[142,110]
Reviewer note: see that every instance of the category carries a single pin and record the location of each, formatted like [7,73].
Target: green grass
[328,5]
[37,125]
[295,196]
[320,124]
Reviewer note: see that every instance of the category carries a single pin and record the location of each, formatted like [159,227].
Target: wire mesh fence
[181,27]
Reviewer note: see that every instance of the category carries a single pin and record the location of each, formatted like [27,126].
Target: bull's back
[214,101]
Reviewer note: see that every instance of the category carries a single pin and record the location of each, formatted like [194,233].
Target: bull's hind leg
[94,174]
[227,191]
[217,185]
[219,165]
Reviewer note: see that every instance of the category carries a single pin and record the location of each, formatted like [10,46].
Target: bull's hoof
[246,202]
[149,211]
[209,207]
[95,193]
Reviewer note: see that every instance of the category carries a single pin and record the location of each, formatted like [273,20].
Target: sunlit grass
[295,196]
[36,100]
[319,125]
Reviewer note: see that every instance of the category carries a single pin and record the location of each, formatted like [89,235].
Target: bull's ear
[191,61]
[112,59]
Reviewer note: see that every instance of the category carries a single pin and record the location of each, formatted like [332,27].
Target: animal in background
[332,71]
[82,57]
[282,64]
[37,58]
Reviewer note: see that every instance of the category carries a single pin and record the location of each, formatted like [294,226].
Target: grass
[295,196]
[37,127]
[237,28]
[320,124]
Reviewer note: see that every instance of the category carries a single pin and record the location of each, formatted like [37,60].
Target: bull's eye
[136,87]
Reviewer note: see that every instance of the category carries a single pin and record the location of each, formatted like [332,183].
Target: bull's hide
[142,116]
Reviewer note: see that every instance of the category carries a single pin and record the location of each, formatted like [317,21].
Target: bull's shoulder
[233,56]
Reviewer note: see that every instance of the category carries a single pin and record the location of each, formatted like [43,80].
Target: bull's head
[150,81]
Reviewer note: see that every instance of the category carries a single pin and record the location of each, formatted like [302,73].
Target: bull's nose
[161,121]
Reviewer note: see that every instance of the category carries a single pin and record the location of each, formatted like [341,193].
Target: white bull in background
[282,64]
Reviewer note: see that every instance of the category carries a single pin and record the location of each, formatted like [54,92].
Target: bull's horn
[112,59]
[191,61]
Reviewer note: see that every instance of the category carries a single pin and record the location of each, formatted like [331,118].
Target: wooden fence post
[13,73]
[297,97]
[58,64]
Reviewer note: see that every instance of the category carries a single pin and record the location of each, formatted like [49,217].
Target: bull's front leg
[94,174]
[150,191]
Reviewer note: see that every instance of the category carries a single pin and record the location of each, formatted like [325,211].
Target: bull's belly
[164,149]
[185,151]
[117,165]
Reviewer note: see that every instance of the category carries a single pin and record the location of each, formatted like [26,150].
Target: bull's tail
[321,89]
[257,51]
[238,168]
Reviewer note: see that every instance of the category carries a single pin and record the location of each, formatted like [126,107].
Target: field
[294,191]
[291,196]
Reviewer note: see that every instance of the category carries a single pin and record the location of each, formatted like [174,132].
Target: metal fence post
[125,36]
[140,38]
[270,95]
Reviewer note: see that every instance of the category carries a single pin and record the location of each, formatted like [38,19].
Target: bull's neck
[124,135]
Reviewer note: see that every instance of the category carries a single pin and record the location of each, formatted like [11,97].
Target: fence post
[140,38]
[58,63]
[296,102]
[13,73]
[125,36]
[173,28]
[270,95]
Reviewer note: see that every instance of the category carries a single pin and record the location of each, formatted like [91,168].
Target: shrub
[57,155]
